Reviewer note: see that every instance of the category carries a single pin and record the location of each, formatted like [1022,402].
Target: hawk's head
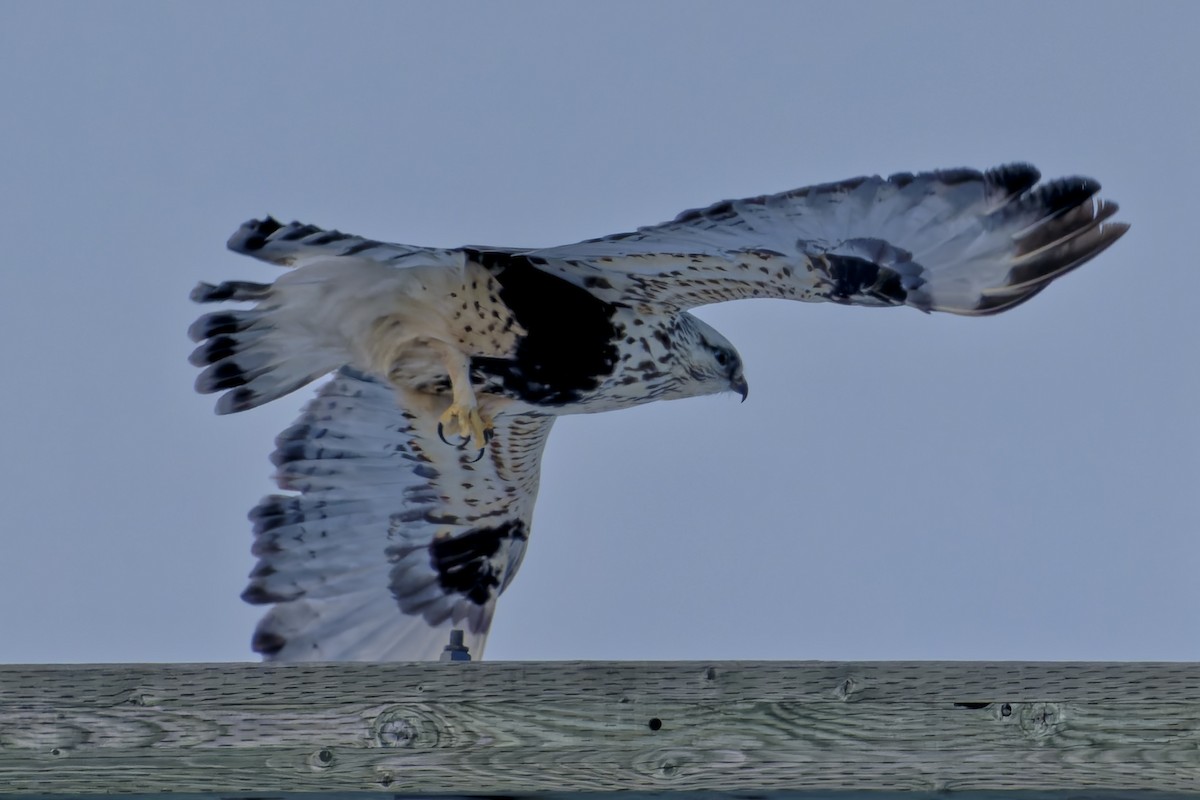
[706,361]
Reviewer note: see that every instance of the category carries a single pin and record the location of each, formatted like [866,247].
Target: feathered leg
[463,418]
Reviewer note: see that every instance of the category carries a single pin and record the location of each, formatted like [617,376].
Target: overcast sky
[898,486]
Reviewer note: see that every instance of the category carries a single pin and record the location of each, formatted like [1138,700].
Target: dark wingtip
[202,328]
[220,323]
[213,350]
[267,643]
[258,595]
[271,512]
[1065,193]
[203,293]
[253,235]
[237,291]
[218,377]
[240,399]
[1012,179]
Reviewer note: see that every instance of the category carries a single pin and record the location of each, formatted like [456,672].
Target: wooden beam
[881,729]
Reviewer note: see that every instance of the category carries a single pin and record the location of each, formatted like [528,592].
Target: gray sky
[898,486]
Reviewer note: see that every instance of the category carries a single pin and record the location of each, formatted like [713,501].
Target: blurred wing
[962,241]
[394,538]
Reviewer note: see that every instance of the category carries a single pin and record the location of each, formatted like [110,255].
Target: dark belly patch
[465,564]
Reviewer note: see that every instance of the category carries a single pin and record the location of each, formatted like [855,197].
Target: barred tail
[254,355]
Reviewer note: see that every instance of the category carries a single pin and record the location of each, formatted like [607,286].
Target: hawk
[410,478]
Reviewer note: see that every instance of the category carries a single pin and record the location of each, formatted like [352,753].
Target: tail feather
[361,626]
[313,319]
[221,323]
[255,355]
[248,386]
[236,291]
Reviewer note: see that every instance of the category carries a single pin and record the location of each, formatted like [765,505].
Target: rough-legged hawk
[412,474]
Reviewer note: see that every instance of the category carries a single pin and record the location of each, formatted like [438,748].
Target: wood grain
[520,728]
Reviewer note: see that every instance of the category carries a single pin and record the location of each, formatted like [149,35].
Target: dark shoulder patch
[569,348]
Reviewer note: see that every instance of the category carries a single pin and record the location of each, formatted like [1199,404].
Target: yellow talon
[468,424]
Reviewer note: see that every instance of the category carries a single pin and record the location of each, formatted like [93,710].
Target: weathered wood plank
[236,684]
[1006,794]
[516,728]
[504,724]
[522,771]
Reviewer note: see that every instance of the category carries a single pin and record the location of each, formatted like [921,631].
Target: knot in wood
[322,759]
[401,726]
[1039,720]
[394,732]
[847,688]
[662,765]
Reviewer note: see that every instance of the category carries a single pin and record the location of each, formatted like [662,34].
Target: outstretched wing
[960,240]
[392,538]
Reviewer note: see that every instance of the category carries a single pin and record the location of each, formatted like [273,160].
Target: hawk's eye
[722,358]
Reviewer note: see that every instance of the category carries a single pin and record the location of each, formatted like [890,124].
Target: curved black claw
[461,444]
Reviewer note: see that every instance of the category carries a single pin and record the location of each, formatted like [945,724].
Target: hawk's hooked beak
[739,385]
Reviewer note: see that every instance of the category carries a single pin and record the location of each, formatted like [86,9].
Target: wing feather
[960,240]
[296,244]
[393,538]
